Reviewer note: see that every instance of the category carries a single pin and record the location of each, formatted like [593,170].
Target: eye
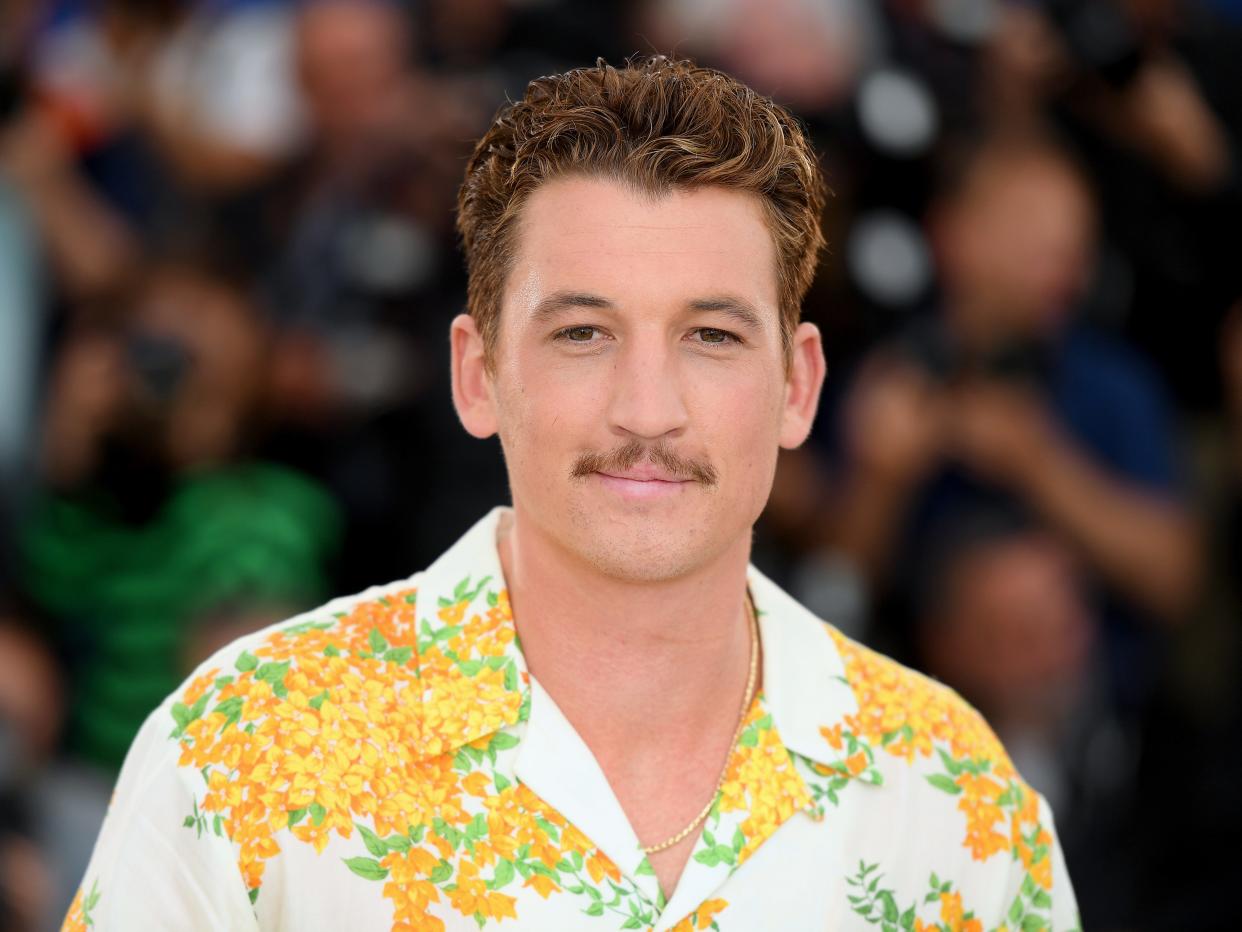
[714,336]
[577,334]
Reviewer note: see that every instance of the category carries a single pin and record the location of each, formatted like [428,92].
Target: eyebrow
[560,301]
[740,310]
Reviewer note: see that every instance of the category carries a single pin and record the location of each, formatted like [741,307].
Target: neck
[617,655]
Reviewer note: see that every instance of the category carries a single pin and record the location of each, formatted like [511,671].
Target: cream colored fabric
[386,762]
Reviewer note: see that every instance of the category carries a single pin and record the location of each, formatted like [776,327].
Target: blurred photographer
[31,715]
[1005,402]
[1117,65]
[355,252]
[1004,396]
[1150,93]
[156,534]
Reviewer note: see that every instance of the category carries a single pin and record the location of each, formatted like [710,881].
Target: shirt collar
[804,678]
[475,681]
[473,675]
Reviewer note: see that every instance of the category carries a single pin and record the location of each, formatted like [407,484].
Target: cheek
[743,430]
[542,424]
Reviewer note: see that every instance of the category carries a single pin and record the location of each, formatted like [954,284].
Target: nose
[646,398]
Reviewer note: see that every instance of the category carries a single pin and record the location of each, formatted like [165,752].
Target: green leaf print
[504,874]
[246,662]
[231,709]
[950,764]
[274,675]
[441,872]
[366,868]
[889,906]
[399,843]
[502,741]
[88,904]
[372,841]
[399,655]
[710,857]
[941,782]
[739,840]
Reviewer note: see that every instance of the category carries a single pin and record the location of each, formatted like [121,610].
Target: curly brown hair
[657,123]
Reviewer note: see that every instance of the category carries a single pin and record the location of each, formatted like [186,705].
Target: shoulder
[275,673]
[923,733]
[1105,364]
[394,667]
[912,715]
[280,677]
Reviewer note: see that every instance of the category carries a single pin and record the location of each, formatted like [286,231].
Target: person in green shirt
[154,538]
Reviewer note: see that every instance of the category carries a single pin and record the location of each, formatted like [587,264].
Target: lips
[643,475]
[643,484]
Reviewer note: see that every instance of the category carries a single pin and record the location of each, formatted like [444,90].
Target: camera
[1100,38]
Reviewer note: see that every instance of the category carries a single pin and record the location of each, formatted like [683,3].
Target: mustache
[634,452]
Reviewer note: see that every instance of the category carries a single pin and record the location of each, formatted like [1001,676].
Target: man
[590,713]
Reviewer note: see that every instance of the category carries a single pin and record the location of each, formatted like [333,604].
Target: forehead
[635,248]
[1018,183]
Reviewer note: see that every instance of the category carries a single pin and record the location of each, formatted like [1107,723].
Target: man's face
[639,387]
[1019,246]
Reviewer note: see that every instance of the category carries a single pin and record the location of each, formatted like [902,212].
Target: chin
[645,548]
[636,563]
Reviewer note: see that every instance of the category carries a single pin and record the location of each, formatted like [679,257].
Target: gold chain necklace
[747,698]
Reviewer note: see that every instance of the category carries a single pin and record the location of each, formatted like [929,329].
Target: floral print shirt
[386,762]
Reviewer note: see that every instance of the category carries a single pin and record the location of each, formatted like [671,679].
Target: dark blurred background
[227,268]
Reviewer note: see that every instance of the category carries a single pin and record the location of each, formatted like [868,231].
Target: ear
[472,384]
[807,369]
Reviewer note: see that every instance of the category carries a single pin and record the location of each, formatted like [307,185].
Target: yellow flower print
[380,725]
[471,895]
[906,712]
[760,779]
[199,685]
[910,715]
[707,911]
[544,885]
[832,736]
[600,866]
[477,784]
[319,727]
[703,917]
[75,921]
[951,910]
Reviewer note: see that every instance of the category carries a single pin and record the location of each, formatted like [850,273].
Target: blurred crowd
[227,267]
